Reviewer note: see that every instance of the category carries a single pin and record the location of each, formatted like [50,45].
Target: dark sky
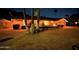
[49,12]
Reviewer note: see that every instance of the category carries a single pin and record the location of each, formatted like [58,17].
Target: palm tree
[35,12]
[25,21]
[32,23]
[38,18]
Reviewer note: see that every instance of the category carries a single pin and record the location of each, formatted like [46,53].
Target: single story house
[4,23]
[43,22]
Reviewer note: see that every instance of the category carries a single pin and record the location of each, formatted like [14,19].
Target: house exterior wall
[61,22]
[55,23]
[17,21]
[9,24]
[4,23]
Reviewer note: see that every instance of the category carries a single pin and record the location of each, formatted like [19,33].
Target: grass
[52,39]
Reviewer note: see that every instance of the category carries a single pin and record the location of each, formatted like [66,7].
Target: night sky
[49,12]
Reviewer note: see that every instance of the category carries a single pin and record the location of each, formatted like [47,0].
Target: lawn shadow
[5,39]
[75,47]
[2,47]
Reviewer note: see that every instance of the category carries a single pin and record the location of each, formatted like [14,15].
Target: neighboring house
[17,21]
[52,23]
[61,22]
[43,22]
[20,22]
[5,24]
[56,22]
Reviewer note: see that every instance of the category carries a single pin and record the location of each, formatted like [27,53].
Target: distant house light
[76,23]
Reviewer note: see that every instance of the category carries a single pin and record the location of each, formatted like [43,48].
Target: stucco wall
[8,24]
[5,24]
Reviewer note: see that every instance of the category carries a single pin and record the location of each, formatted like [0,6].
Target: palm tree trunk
[32,23]
[38,18]
[25,21]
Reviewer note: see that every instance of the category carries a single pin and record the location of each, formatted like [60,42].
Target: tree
[25,21]
[32,30]
[4,13]
[38,18]
[73,18]
[35,15]
[67,17]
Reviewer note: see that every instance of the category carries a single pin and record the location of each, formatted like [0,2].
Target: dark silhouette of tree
[4,13]
[35,15]
[73,18]
[25,21]
[69,21]
[38,19]
[32,22]
[67,17]
[12,13]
